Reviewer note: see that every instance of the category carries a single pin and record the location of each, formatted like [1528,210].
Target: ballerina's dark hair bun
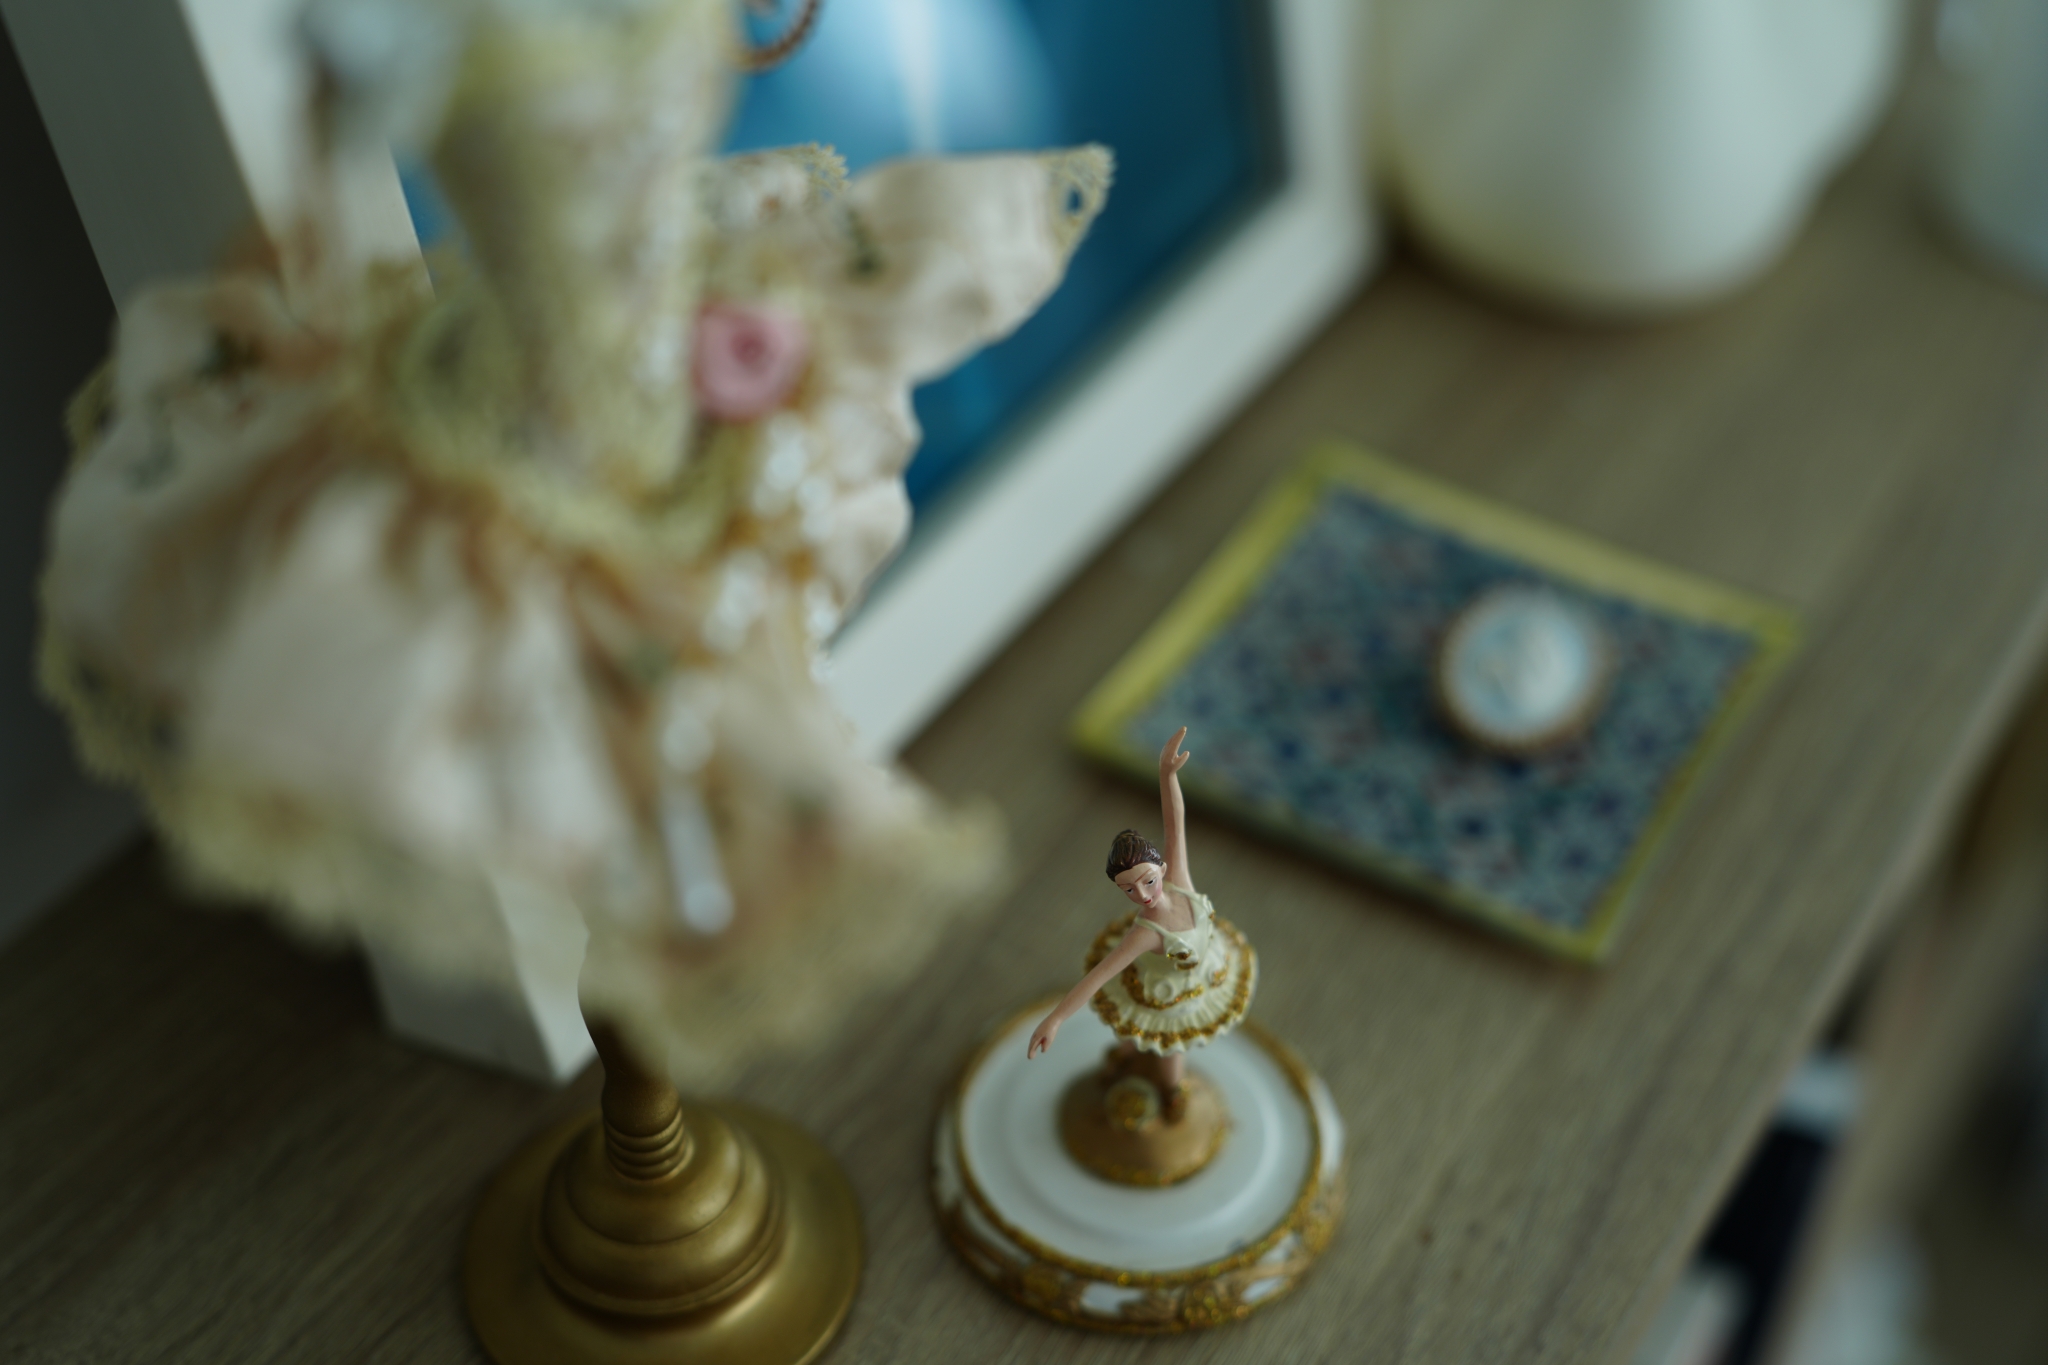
[1130,849]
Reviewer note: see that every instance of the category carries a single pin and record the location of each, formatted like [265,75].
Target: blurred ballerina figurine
[1167,977]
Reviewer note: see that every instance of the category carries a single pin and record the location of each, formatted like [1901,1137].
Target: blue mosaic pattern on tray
[1312,707]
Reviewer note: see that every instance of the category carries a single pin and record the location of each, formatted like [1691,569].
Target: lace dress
[1199,988]
[425,614]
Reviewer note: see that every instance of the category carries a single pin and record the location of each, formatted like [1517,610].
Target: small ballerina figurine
[1167,977]
[1202,1241]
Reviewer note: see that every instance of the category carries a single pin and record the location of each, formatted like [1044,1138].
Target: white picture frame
[992,553]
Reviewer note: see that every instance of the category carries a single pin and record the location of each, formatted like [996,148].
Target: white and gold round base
[1067,1243]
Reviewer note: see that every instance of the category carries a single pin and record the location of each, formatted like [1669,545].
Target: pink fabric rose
[747,359]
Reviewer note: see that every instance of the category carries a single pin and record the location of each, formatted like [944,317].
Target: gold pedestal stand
[662,1232]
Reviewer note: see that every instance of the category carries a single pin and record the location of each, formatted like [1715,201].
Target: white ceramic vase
[1993,167]
[1623,156]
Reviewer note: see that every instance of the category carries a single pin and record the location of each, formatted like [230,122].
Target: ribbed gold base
[783,1315]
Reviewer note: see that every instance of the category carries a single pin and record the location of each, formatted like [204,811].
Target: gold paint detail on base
[1115,1127]
[1056,1285]
[1205,1300]
[657,1231]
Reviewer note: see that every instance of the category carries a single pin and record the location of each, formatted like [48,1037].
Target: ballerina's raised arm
[1142,884]
[1174,812]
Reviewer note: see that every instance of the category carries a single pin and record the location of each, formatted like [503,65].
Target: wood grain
[1944,1000]
[210,1152]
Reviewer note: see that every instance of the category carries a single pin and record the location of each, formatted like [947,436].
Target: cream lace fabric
[400,603]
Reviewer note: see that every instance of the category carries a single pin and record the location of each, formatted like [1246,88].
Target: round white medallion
[1522,669]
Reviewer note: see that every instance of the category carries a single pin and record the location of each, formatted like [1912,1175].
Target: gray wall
[55,320]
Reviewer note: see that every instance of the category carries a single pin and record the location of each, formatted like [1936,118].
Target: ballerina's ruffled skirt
[1206,1002]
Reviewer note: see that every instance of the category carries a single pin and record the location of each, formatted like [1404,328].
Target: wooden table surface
[209,1151]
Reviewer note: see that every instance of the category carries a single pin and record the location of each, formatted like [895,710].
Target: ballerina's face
[1144,884]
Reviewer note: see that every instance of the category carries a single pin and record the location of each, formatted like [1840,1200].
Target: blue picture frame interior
[1195,126]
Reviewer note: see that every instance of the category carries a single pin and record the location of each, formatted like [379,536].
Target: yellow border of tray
[1241,564]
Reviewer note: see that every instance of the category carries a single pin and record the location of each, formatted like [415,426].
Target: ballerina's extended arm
[1142,938]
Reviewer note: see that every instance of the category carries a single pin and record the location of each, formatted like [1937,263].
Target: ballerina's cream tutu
[1199,989]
